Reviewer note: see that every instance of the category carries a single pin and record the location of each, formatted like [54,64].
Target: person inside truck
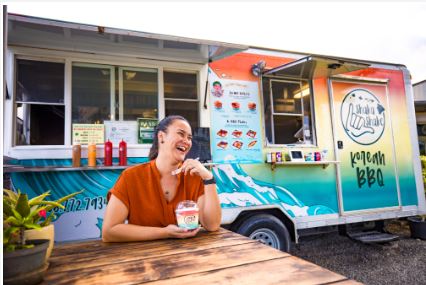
[146,195]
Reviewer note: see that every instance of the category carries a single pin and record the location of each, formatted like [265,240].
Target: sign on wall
[146,130]
[87,133]
[116,131]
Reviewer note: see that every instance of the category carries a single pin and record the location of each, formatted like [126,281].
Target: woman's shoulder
[137,169]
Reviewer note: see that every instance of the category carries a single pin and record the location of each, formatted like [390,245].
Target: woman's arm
[115,230]
[210,211]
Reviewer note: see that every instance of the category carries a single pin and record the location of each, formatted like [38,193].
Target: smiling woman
[147,195]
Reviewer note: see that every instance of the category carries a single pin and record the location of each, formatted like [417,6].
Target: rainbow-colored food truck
[296,141]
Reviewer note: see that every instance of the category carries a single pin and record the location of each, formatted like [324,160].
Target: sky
[379,31]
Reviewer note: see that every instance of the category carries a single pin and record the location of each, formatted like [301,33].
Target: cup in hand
[187,215]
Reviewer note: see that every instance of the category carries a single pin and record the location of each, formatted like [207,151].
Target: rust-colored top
[139,188]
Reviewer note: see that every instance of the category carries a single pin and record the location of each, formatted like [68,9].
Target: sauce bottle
[108,153]
[122,153]
[91,156]
[76,155]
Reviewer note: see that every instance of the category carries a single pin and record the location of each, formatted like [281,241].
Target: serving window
[39,104]
[288,115]
[98,93]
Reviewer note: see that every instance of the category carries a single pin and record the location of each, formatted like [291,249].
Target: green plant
[20,214]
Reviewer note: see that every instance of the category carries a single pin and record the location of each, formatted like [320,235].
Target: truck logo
[362,116]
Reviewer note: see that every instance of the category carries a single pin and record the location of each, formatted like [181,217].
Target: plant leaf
[63,199]
[36,211]
[12,195]
[32,226]
[7,233]
[52,204]
[16,214]
[13,221]
[22,205]
[7,208]
[38,199]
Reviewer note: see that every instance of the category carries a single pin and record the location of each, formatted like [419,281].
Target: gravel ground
[399,262]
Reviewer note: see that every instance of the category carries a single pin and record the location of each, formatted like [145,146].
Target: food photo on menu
[235,106]
[222,144]
[251,106]
[237,144]
[218,104]
[251,144]
[237,133]
[222,133]
[251,133]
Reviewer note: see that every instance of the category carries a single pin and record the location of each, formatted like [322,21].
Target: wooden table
[221,257]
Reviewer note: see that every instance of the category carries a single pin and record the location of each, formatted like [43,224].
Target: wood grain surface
[221,257]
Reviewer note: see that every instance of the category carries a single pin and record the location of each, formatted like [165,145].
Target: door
[365,147]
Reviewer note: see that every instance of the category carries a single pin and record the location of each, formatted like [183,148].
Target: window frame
[69,58]
[15,102]
[112,85]
[197,100]
[121,85]
[270,79]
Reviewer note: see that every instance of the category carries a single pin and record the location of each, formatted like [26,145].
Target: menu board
[235,121]
[87,133]
[116,131]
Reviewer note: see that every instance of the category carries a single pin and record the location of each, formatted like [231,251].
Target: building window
[39,103]
[99,93]
[288,116]
[91,94]
[138,89]
[181,96]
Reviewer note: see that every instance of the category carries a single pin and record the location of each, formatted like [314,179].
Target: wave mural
[83,215]
[237,189]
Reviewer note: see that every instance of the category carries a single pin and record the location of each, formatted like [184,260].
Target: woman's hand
[193,166]
[174,231]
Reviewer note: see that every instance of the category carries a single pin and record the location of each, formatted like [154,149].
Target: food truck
[296,141]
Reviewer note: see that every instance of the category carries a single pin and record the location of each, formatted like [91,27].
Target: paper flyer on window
[235,117]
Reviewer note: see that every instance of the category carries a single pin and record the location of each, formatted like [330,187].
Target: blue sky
[380,31]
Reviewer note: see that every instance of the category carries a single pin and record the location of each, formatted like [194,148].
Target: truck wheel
[267,229]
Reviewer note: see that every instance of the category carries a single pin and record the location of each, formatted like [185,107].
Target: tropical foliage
[20,214]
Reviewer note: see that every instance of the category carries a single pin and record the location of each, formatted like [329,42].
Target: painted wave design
[237,189]
[61,183]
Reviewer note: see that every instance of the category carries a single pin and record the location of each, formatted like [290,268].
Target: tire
[268,230]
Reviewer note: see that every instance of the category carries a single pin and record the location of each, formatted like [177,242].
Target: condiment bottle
[108,153]
[122,153]
[76,155]
[91,156]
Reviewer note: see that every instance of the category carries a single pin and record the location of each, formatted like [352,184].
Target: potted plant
[25,258]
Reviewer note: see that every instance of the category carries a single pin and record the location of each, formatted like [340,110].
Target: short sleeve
[120,190]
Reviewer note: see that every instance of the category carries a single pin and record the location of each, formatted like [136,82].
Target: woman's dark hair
[163,125]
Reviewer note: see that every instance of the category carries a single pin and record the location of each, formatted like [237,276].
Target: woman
[147,194]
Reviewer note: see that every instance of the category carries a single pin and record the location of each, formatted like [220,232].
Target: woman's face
[177,141]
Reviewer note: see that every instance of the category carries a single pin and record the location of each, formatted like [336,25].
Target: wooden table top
[221,257]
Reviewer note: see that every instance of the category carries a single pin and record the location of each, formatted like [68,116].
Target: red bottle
[122,153]
[108,153]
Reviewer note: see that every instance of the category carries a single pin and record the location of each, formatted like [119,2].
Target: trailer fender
[233,218]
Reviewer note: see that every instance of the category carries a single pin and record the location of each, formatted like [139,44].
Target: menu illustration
[235,121]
